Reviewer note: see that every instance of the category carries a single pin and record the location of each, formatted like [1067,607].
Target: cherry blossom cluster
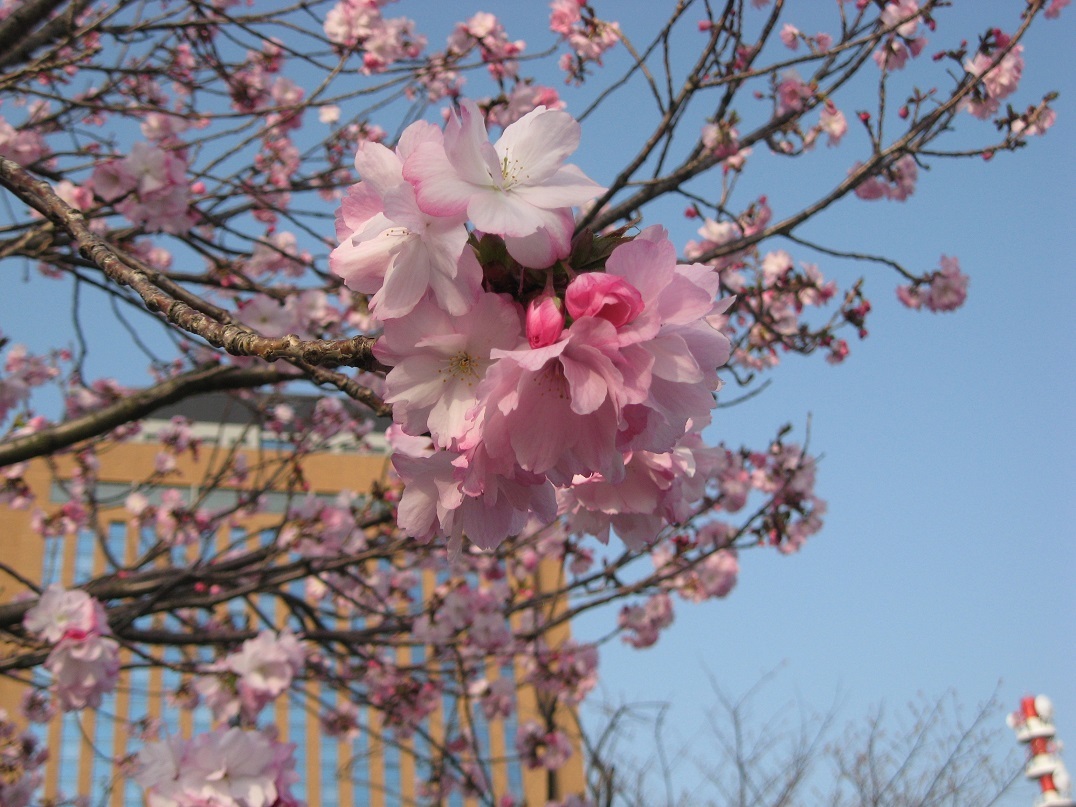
[542,748]
[244,682]
[568,672]
[148,186]
[902,18]
[498,52]
[702,562]
[23,371]
[22,757]
[792,96]
[943,290]
[642,624]
[226,766]
[84,659]
[358,24]
[774,296]
[993,84]
[549,381]
[791,36]
[896,182]
[405,699]
[713,576]
[484,34]
[534,361]
[24,145]
[588,36]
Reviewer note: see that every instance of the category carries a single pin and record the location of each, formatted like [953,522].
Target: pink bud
[705,25]
[596,294]
[545,321]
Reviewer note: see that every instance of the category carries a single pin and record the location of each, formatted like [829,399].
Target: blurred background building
[369,769]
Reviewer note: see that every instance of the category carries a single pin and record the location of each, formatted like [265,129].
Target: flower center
[510,171]
[464,367]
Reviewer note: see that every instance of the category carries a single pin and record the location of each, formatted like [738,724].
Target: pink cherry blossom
[893,54]
[714,234]
[524,98]
[514,187]
[570,671]
[393,249]
[657,489]
[1034,122]
[24,756]
[500,499]
[556,409]
[606,296]
[269,316]
[792,93]
[898,10]
[790,36]
[224,768]
[642,624]
[431,492]
[833,123]
[25,146]
[405,700]
[499,54]
[711,578]
[153,185]
[1054,10]
[83,670]
[910,296]
[675,330]
[564,15]
[265,666]
[546,245]
[61,613]
[438,362]
[539,748]
[897,182]
[948,287]
[998,82]
[497,697]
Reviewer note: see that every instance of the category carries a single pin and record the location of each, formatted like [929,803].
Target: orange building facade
[370,769]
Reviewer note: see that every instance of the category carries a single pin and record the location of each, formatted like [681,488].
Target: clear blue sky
[947,558]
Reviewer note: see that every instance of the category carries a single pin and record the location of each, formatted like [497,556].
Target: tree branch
[17,44]
[135,407]
[186,310]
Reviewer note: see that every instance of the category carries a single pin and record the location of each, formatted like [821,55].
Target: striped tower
[1034,727]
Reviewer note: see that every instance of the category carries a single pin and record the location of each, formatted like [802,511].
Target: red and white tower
[1034,727]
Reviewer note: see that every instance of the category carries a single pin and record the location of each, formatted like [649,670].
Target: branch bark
[189,312]
[17,43]
[135,407]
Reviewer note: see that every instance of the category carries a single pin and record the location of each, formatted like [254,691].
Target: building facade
[370,767]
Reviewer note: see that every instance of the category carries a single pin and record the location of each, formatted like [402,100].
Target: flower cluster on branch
[549,354]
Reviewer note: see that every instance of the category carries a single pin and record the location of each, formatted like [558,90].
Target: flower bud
[545,320]
[596,294]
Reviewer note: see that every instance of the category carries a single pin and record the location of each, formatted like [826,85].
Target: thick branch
[181,308]
[136,406]
[17,44]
